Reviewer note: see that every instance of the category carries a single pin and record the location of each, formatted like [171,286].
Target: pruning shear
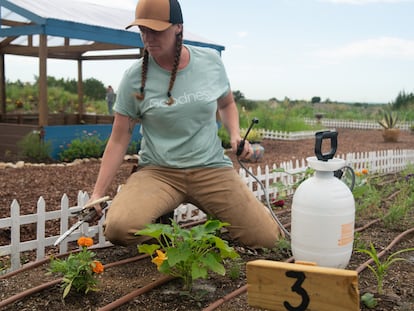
[86,214]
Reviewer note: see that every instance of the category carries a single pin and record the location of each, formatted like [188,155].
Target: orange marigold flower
[161,257]
[97,266]
[84,241]
[357,173]
[364,171]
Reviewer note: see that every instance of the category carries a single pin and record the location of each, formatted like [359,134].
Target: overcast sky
[344,50]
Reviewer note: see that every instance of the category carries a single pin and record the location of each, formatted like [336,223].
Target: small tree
[316,100]
[94,89]
[238,96]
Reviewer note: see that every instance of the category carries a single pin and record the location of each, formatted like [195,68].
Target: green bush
[134,147]
[224,136]
[254,135]
[34,148]
[88,145]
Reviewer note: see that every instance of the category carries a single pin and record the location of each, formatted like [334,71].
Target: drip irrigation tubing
[43,286]
[124,299]
[385,250]
[40,262]
[362,267]
[233,294]
[28,292]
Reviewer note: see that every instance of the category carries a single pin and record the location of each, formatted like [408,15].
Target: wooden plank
[10,134]
[284,286]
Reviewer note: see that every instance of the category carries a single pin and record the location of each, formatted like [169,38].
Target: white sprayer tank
[323,216]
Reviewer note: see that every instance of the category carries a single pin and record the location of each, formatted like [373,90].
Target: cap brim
[150,23]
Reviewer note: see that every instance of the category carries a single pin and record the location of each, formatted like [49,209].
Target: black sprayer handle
[319,137]
[240,147]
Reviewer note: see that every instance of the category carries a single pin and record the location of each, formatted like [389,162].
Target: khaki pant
[219,192]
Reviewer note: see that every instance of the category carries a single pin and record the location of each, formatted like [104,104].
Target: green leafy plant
[358,241]
[235,267]
[34,148]
[381,268]
[285,190]
[79,270]
[254,136]
[369,300]
[187,253]
[398,214]
[284,247]
[88,145]
[367,194]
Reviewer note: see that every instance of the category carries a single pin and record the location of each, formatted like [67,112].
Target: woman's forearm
[114,153]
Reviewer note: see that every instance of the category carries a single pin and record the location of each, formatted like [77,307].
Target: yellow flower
[358,174]
[97,267]
[85,241]
[364,171]
[159,259]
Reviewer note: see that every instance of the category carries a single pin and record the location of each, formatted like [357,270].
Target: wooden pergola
[77,29]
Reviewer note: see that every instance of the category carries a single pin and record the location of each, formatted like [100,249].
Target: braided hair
[170,99]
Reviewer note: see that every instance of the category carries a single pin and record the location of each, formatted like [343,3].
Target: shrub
[254,135]
[89,145]
[34,148]
[225,137]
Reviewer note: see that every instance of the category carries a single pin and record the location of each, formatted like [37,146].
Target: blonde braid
[141,94]
[174,71]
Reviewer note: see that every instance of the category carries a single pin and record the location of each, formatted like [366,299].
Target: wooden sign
[284,286]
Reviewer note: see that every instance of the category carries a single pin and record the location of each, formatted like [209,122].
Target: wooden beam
[80,91]
[11,23]
[284,286]
[2,84]
[65,52]
[7,41]
[43,104]
[111,57]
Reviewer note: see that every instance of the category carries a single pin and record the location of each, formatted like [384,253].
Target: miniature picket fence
[274,179]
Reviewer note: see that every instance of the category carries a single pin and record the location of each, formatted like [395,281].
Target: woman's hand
[95,202]
[242,148]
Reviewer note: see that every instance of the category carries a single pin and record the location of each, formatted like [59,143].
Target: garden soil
[28,183]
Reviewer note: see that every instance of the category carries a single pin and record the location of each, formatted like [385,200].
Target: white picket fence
[328,123]
[355,124]
[387,161]
[281,135]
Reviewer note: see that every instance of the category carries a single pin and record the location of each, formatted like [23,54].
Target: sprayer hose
[287,233]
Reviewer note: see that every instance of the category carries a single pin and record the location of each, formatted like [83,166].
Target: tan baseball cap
[157,14]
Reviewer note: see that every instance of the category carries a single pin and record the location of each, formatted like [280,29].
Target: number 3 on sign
[283,286]
[297,288]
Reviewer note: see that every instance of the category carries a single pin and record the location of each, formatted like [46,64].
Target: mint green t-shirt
[183,135]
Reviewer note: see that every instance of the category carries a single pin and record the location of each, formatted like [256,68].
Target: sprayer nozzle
[255,120]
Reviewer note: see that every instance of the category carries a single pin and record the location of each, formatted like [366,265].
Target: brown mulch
[29,183]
